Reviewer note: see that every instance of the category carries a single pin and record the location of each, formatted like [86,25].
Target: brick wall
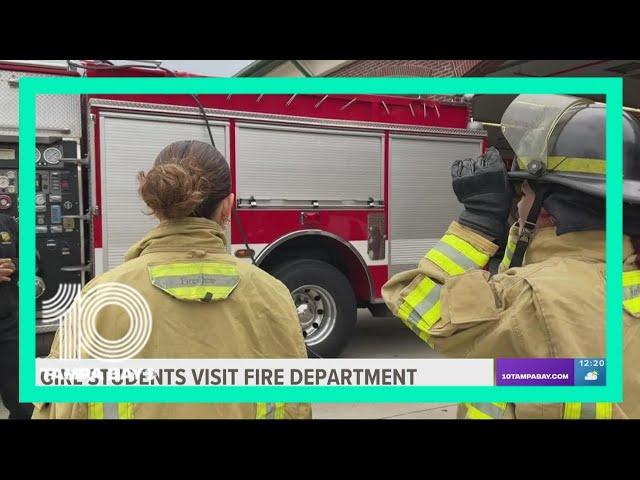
[413,68]
[407,68]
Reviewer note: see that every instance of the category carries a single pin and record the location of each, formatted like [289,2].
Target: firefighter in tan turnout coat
[204,302]
[548,298]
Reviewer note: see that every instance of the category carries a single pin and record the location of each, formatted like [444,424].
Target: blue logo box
[590,372]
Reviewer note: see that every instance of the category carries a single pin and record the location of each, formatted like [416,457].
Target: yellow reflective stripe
[475,414]
[633,305]
[193,268]
[95,411]
[110,411]
[604,411]
[199,292]
[468,250]
[631,291]
[279,411]
[512,241]
[485,411]
[270,411]
[261,411]
[444,262]
[586,411]
[422,326]
[506,260]
[125,411]
[631,278]
[413,298]
[570,164]
[197,280]
[205,281]
[421,307]
[455,255]
[431,317]
[571,411]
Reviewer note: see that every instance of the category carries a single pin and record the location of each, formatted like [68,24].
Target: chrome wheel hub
[316,311]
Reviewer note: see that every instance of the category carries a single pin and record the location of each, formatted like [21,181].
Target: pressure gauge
[38,155]
[52,156]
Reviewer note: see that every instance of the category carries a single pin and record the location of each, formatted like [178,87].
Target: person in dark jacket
[9,320]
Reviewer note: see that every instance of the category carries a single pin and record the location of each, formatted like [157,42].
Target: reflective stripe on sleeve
[421,307]
[629,279]
[485,411]
[631,291]
[455,255]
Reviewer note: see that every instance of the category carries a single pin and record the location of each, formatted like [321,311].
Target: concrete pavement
[384,337]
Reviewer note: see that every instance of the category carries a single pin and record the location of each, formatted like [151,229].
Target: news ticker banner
[321,372]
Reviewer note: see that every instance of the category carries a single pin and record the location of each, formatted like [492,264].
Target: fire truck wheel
[325,302]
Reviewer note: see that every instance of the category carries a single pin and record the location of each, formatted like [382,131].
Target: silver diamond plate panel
[56,115]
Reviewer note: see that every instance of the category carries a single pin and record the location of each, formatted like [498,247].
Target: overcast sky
[218,68]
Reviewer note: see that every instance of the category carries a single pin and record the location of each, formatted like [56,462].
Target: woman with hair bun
[204,302]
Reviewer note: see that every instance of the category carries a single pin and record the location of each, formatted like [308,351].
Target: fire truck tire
[325,302]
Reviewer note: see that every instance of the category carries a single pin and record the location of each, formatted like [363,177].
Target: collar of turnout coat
[587,246]
[183,234]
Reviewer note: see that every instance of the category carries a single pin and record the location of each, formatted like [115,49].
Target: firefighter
[9,320]
[548,299]
[204,302]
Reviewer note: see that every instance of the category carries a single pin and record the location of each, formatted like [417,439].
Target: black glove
[484,189]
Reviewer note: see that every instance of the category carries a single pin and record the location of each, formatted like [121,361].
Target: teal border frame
[30,87]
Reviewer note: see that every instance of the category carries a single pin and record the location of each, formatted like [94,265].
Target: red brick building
[628,69]
[369,68]
[487,109]
[412,68]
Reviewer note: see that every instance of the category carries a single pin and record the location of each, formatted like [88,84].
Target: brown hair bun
[189,178]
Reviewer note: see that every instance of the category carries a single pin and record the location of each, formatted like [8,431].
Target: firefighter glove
[482,186]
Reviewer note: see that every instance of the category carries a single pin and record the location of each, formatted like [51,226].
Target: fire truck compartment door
[277,165]
[130,143]
[421,201]
[56,115]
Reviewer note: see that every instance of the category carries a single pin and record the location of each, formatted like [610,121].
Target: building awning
[489,108]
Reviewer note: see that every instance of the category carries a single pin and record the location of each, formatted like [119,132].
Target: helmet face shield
[530,121]
[562,139]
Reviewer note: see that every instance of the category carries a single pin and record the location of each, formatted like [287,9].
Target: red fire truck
[335,193]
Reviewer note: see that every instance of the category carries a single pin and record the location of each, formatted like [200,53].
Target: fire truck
[335,193]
